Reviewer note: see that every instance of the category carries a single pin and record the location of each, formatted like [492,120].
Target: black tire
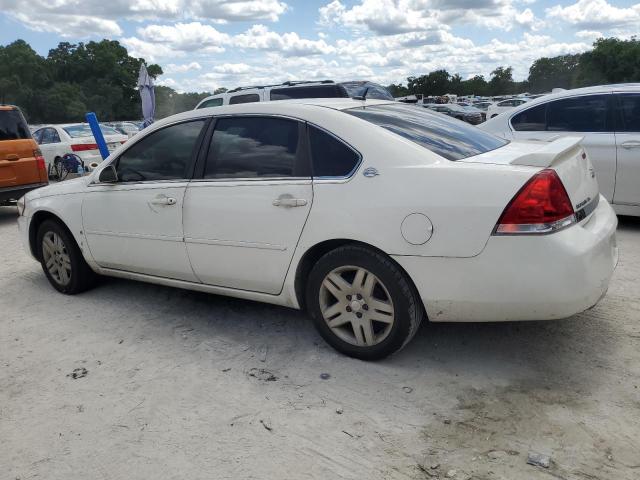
[408,309]
[81,276]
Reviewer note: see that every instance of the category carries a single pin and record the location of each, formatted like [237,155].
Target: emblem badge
[370,172]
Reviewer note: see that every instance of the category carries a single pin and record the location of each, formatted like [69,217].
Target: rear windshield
[446,136]
[76,131]
[315,91]
[13,125]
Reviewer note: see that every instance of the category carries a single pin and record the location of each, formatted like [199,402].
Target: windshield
[76,131]
[449,138]
[373,90]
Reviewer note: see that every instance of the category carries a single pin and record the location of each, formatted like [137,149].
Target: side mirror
[108,175]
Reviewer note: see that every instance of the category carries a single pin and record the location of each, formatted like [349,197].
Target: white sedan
[371,215]
[57,140]
[497,108]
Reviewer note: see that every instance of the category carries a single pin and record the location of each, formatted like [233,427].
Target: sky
[205,44]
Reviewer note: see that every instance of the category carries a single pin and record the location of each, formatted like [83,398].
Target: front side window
[578,114]
[330,157]
[447,137]
[248,98]
[212,102]
[531,119]
[162,155]
[629,116]
[254,147]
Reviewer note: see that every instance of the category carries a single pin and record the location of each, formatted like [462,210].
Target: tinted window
[249,98]
[532,119]
[578,114]
[629,105]
[162,155]
[374,91]
[330,157]
[13,125]
[314,91]
[250,147]
[447,137]
[214,102]
[37,135]
[49,135]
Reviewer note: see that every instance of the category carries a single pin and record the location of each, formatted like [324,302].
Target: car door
[243,217]
[587,116]
[627,190]
[135,223]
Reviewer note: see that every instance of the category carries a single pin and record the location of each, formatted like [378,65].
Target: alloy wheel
[56,258]
[356,306]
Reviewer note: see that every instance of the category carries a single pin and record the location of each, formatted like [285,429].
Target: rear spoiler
[549,152]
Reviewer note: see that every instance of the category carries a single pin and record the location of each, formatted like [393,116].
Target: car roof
[294,108]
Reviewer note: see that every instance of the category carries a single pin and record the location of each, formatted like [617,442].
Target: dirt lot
[180,385]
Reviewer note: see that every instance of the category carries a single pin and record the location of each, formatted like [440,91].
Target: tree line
[611,60]
[101,77]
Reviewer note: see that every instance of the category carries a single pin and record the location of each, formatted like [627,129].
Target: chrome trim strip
[165,238]
[235,243]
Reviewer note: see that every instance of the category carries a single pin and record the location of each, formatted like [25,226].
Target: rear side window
[13,126]
[214,102]
[162,155]
[314,91]
[254,147]
[447,137]
[531,120]
[331,157]
[629,116]
[249,98]
[578,114]
[49,135]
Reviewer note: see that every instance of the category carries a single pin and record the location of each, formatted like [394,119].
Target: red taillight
[541,206]
[39,160]
[83,147]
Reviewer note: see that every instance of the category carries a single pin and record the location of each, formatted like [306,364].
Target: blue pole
[92,120]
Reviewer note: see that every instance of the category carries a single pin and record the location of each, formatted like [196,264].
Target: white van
[292,90]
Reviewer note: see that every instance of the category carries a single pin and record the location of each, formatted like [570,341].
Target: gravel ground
[174,385]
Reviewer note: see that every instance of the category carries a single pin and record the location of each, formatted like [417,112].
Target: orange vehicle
[22,165]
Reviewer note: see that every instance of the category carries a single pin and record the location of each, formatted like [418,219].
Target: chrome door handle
[630,144]
[289,202]
[163,201]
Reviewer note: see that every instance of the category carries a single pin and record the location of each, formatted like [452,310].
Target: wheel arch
[38,219]
[315,252]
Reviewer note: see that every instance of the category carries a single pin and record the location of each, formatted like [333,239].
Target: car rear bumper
[14,193]
[540,277]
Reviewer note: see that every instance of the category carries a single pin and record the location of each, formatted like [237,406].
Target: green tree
[434,83]
[556,72]
[501,82]
[612,60]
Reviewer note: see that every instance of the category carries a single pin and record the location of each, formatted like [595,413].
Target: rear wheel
[362,303]
[62,260]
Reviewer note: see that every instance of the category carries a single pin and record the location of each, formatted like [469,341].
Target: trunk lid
[565,155]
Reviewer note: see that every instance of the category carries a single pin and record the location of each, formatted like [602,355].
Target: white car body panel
[230,239]
[239,238]
[617,166]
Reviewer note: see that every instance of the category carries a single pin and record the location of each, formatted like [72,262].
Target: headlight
[20,204]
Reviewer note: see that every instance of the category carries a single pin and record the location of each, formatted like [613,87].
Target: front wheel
[62,260]
[362,303]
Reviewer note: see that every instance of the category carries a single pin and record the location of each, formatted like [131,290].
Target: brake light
[541,206]
[39,160]
[83,147]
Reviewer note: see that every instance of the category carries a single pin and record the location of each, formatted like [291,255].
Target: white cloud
[389,17]
[82,18]
[290,44]
[595,14]
[186,37]
[182,68]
